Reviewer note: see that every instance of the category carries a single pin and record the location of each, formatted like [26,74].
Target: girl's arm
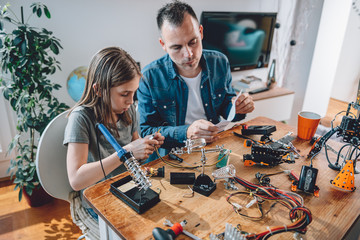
[82,174]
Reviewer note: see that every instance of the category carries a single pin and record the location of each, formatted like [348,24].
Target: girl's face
[122,96]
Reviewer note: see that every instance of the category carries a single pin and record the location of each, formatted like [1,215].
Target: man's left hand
[244,104]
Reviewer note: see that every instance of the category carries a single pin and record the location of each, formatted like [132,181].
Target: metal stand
[203,183]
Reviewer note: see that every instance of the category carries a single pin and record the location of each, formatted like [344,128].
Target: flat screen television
[244,37]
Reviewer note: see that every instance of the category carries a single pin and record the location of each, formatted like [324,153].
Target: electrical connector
[252,202]
[237,206]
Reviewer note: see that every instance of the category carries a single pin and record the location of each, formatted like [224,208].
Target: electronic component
[266,156]
[223,158]
[173,156]
[350,129]
[345,179]
[230,233]
[203,183]
[182,178]
[152,172]
[227,173]
[307,179]
[258,129]
[295,184]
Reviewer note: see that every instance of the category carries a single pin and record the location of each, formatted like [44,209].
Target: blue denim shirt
[163,96]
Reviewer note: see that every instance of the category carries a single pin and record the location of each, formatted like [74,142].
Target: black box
[258,130]
[140,201]
[307,179]
[182,178]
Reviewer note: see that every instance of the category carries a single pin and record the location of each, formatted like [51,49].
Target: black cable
[339,154]
[98,149]
[332,166]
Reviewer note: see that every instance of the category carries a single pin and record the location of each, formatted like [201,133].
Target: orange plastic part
[317,193]
[177,228]
[249,163]
[345,179]
[247,143]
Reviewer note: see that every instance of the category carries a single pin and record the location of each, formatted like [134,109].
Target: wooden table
[333,212]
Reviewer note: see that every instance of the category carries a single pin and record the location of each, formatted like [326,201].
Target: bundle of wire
[300,216]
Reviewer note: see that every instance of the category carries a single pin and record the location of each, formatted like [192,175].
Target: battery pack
[258,130]
[307,179]
[182,178]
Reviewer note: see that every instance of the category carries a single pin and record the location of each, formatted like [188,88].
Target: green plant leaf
[20,194]
[1,26]
[47,12]
[27,56]
[8,19]
[54,48]
[23,48]
[39,12]
[18,40]
[29,190]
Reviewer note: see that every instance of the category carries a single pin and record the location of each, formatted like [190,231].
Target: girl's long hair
[110,67]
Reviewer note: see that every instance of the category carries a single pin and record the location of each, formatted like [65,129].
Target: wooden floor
[53,221]
[20,221]
[335,107]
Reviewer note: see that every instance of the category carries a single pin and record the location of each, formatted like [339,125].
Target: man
[186,91]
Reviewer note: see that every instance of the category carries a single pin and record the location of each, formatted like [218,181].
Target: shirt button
[219,95]
[201,86]
[206,104]
[164,106]
[210,120]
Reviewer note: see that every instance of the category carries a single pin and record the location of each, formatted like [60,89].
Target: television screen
[245,38]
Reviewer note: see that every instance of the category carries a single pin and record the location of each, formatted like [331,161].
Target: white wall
[331,35]
[305,28]
[7,124]
[347,74]
[86,26]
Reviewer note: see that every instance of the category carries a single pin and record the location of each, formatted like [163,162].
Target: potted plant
[27,59]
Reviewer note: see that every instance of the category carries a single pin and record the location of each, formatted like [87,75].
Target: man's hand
[157,136]
[202,129]
[244,104]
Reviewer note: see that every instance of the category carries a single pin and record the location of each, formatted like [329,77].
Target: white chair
[52,173]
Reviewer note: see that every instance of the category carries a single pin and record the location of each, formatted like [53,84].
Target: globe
[76,82]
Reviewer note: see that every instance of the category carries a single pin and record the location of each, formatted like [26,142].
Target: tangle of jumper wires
[300,216]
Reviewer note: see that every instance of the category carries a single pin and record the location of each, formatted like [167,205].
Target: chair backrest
[51,159]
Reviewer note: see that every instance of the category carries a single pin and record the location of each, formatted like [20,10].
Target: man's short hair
[174,13]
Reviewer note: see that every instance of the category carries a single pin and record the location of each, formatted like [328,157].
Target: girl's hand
[142,148]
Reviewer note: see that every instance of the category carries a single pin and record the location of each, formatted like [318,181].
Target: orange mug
[307,124]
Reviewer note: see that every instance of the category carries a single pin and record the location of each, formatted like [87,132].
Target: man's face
[183,44]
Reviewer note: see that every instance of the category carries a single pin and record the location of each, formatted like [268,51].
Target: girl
[112,80]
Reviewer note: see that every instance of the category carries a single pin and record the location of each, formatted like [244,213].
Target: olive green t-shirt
[81,128]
